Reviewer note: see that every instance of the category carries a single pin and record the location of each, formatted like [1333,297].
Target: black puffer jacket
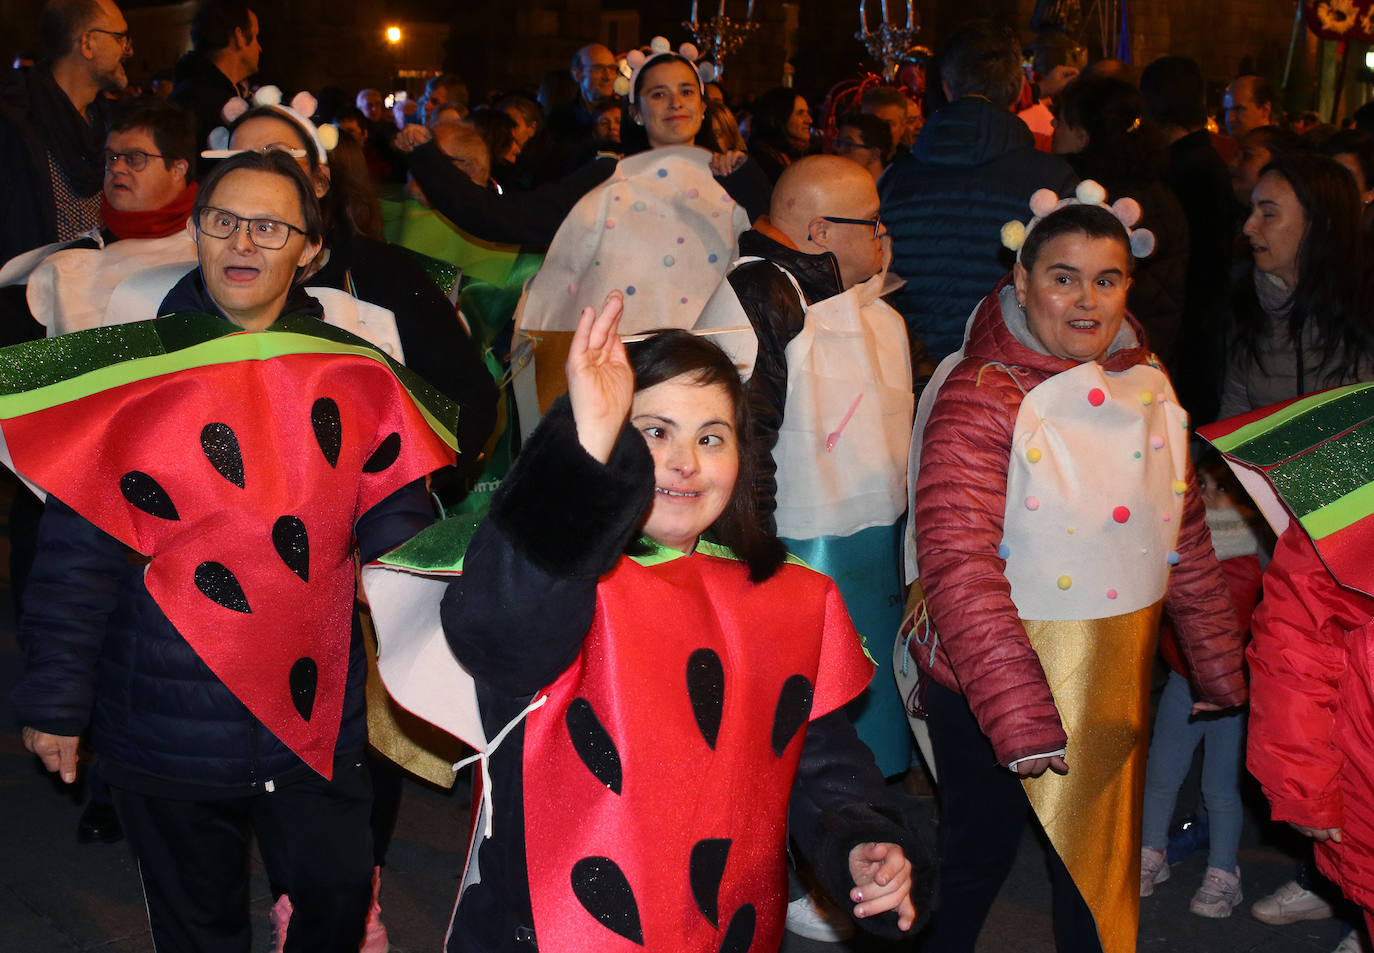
[973,169]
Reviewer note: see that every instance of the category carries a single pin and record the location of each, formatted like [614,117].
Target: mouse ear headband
[300,110]
[636,60]
[1045,201]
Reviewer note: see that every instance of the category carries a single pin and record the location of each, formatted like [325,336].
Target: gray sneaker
[1218,895]
[1154,869]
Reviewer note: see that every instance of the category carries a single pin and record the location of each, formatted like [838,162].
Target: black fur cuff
[569,514]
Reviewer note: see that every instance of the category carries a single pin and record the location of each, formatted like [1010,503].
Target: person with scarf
[150,157]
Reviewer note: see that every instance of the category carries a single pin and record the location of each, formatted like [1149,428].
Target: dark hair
[452,82]
[60,23]
[351,191]
[173,130]
[1261,93]
[772,111]
[982,58]
[1333,290]
[875,133]
[664,355]
[1093,221]
[274,162]
[1120,148]
[1276,139]
[212,28]
[659,60]
[1364,117]
[525,105]
[1053,48]
[876,96]
[718,114]
[1175,92]
[1355,143]
[496,129]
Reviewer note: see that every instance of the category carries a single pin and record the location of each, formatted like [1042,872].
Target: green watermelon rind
[60,374]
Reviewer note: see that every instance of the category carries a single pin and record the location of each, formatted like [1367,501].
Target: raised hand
[601,384]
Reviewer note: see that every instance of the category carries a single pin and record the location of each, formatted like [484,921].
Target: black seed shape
[705,870]
[148,495]
[324,418]
[794,707]
[740,933]
[385,454]
[219,586]
[222,450]
[293,546]
[593,743]
[305,675]
[600,886]
[706,689]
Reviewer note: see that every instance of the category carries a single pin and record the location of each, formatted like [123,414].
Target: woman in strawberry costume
[681,694]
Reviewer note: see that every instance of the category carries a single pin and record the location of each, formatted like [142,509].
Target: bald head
[814,191]
[594,71]
[465,146]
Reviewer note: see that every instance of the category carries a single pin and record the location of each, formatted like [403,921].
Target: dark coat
[973,169]
[202,90]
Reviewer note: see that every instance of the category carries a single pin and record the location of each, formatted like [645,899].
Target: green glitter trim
[38,375]
[439,548]
[1326,474]
[1300,426]
[1344,512]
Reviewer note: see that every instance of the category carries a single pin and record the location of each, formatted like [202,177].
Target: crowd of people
[751,457]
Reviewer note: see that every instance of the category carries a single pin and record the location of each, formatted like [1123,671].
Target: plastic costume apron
[1095,489]
[841,471]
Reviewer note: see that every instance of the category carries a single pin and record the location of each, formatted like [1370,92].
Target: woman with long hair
[1302,316]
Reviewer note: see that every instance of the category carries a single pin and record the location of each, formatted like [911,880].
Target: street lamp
[393,34]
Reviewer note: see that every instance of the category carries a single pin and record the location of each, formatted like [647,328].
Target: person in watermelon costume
[192,598]
[667,710]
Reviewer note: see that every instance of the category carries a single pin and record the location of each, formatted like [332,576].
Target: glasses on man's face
[600,69]
[875,223]
[265,233]
[849,145]
[121,36]
[135,159]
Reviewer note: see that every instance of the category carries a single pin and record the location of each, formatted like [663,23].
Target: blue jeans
[1176,736]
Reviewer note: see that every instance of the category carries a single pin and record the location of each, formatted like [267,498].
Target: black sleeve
[518,218]
[435,344]
[394,520]
[560,520]
[776,313]
[72,590]
[749,186]
[839,801]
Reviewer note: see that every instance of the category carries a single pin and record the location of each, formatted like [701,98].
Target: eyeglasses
[849,145]
[135,159]
[263,232]
[875,223]
[122,37]
[600,69]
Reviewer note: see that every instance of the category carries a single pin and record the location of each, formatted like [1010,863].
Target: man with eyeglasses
[831,407]
[52,128]
[192,599]
[593,69]
[150,157]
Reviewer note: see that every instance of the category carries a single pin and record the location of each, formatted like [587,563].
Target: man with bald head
[1249,104]
[830,403]
[593,69]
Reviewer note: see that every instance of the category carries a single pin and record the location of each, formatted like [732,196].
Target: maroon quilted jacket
[982,649]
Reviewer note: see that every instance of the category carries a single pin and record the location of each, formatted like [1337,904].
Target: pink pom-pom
[635,58]
[1043,202]
[304,104]
[233,109]
[688,52]
[1127,210]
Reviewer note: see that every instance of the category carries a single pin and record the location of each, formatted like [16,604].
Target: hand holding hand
[601,384]
[724,163]
[1202,707]
[882,882]
[57,752]
[1035,767]
[410,136]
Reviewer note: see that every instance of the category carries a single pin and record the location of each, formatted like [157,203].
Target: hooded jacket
[983,651]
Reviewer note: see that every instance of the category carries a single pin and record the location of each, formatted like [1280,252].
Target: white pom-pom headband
[300,110]
[1045,201]
[636,60]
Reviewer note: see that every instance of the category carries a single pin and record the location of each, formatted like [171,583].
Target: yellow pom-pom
[1065,582]
[1033,455]
[1180,488]
[1013,235]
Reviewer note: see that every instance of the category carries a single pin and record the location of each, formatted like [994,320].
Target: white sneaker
[1218,895]
[1154,869]
[1354,942]
[1289,904]
[818,919]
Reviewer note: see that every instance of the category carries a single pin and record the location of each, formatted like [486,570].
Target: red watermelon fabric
[239,466]
[658,774]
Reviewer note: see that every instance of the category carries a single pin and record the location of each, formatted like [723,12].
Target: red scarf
[153,223]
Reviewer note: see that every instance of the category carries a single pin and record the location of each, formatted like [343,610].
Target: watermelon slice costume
[645,803]
[238,464]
